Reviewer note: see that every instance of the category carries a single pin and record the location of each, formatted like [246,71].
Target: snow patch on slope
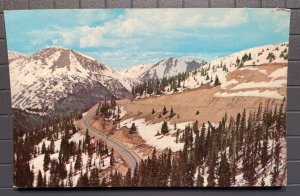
[148,131]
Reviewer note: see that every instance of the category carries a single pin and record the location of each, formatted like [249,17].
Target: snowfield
[251,93]
[270,84]
[148,131]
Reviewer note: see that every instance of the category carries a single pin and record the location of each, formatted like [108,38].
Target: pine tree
[52,146]
[132,129]
[224,172]
[164,111]
[83,181]
[153,111]
[94,179]
[43,151]
[127,180]
[78,162]
[217,82]
[164,128]
[40,181]
[172,113]
[46,160]
[112,160]
[87,137]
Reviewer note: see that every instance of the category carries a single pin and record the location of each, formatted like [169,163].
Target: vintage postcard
[149,97]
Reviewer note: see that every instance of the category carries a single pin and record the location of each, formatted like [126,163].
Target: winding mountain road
[131,158]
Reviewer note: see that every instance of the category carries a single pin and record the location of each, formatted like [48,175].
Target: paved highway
[131,158]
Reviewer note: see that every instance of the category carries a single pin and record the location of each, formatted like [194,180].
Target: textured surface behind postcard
[293,113]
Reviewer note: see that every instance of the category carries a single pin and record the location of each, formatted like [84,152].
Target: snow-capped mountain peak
[16,55]
[164,68]
[51,76]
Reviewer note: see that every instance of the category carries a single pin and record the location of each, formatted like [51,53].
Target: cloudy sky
[122,38]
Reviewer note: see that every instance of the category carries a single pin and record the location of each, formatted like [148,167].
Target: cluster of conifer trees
[109,110]
[55,172]
[157,86]
[251,144]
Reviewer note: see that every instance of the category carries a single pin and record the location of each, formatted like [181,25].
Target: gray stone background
[293,114]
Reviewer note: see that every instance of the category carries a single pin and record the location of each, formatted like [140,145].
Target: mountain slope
[16,56]
[60,80]
[164,68]
[219,68]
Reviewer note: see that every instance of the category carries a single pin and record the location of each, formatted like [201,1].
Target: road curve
[131,158]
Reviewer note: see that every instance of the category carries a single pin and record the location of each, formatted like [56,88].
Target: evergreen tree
[164,111]
[132,129]
[87,137]
[43,151]
[164,128]
[217,82]
[40,180]
[78,162]
[172,113]
[112,160]
[94,179]
[52,146]
[127,180]
[153,111]
[224,172]
[46,160]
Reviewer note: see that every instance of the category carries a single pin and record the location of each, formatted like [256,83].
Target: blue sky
[122,38]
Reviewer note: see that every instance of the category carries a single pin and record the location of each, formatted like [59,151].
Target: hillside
[218,72]
[241,86]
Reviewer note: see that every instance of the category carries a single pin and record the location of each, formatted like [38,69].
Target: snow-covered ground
[251,93]
[258,57]
[36,163]
[148,131]
[270,84]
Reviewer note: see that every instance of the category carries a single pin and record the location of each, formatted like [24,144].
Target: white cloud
[86,17]
[90,36]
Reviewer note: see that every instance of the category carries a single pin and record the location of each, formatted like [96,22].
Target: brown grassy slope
[210,108]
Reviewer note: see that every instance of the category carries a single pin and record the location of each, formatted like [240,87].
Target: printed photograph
[148,97]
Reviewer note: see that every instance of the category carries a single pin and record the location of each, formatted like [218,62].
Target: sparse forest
[248,147]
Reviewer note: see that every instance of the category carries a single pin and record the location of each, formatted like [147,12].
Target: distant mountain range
[164,68]
[59,80]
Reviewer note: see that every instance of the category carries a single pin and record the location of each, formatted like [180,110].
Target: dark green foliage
[132,128]
[217,81]
[164,111]
[164,128]
[40,180]
[172,113]
[153,111]
[156,86]
[271,57]
[212,150]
